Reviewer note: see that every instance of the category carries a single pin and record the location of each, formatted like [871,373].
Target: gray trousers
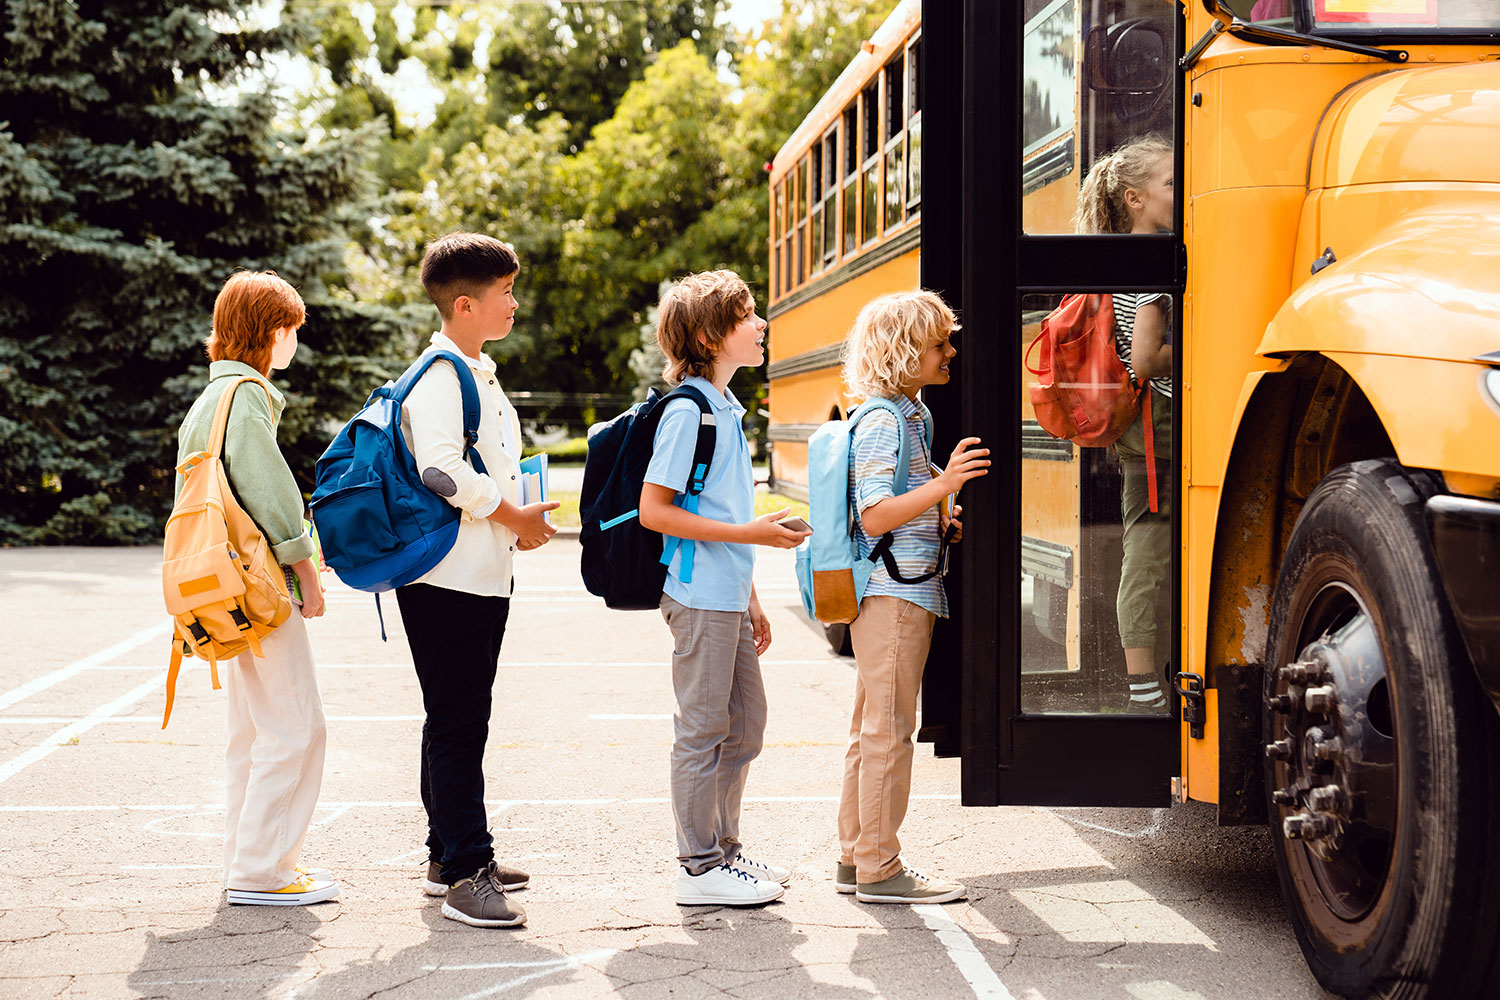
[717,731]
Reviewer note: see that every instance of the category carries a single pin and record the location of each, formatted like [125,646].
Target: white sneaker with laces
[762,870]
[724,885]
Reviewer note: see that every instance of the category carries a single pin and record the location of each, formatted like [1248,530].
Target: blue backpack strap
[703,456]
[882,550]
[902,461]
[467,390]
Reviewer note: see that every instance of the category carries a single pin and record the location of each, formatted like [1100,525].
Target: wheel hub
[1333,752]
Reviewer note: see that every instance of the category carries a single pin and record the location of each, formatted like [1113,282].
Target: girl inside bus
[1131,191]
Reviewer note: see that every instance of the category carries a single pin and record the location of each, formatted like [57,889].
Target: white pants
[277,737]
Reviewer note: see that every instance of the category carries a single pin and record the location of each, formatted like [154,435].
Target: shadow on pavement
[745,953]
[245,951]
[453,961]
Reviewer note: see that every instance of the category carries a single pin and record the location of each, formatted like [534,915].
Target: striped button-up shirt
[917,543]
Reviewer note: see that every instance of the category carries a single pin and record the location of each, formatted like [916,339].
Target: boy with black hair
[708,330]
[455,615]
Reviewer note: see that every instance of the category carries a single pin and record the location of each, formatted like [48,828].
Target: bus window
[830,195]
[870,163]
[801,219]
[851,179]
[815,190]
[895,136]
[1096,560]
[777,232]
[913,129]
[1096,76]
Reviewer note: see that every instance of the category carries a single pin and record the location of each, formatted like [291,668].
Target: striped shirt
[1126,306]
[916,544]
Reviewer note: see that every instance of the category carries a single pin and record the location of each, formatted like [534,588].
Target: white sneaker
[299,893]
[761,870]
[724,886]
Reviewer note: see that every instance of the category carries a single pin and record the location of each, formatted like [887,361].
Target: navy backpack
[380,527]
[623,562]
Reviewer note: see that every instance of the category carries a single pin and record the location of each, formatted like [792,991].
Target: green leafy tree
[140,164]
[578,59]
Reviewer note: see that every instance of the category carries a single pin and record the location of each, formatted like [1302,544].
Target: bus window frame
[913,55]
[849,178]
[802,217]
[830,185]
[870,162]
[894,141]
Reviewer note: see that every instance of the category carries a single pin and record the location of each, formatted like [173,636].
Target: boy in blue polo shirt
[708,330]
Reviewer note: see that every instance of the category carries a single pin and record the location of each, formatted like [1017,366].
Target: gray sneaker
[479,901]
[911,886]
[843,879]
[511,878]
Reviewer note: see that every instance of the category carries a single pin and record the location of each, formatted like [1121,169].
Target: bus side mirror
[1129,57]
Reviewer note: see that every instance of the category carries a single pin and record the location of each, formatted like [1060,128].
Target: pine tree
[140,164]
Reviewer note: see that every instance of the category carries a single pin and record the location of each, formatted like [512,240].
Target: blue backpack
[623,562]
[380,527]
[831,571]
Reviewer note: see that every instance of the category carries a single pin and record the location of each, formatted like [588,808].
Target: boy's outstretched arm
[659,513]
[967,461]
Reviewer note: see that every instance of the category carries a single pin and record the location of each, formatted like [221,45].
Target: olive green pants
[1148,536]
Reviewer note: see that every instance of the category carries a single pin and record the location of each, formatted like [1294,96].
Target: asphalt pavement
[111,830]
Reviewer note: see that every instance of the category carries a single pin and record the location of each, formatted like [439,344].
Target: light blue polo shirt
[721,570]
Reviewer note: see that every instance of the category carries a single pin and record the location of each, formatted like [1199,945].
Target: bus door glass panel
[1096,75]
[1096,560]
[1097,556]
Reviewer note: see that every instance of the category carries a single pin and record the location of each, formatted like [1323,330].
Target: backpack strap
[467,390]
[882,550]
[703,456]
[1150,446]
[221,414]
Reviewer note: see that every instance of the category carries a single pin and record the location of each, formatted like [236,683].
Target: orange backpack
[223,588]
[1084,392]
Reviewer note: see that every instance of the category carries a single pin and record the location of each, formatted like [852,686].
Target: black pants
[455,644]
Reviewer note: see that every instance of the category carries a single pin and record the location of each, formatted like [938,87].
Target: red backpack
[1084,392]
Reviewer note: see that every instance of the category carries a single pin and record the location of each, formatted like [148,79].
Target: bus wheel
[1380,806]
[839,639]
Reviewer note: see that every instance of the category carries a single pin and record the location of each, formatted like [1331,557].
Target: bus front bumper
[1466,541]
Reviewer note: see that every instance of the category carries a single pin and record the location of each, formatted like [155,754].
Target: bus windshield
[1426,16]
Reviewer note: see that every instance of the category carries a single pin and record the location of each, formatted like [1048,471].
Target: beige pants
[891,638]
[276,741]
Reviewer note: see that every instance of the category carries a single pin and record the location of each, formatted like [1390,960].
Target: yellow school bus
[1331,619]
[846,223]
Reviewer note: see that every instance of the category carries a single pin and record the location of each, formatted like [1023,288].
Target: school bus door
[1035,724]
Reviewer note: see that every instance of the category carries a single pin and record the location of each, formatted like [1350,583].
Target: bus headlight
[1489,387]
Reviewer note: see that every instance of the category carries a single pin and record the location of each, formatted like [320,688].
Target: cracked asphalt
[111,830]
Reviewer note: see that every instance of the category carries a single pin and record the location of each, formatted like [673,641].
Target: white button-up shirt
[480,561]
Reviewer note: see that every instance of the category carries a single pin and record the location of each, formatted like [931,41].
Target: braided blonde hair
[1101,200]
[883,352]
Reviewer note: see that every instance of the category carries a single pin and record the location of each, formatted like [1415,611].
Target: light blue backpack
[831,571]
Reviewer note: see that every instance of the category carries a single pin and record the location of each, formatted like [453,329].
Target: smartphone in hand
[795,523]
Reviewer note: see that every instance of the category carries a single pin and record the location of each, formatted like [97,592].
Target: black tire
[1390,882]
[839,639]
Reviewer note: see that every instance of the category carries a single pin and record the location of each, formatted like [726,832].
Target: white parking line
[543,969]
[961,949]
[189,665]
[89,662]
[58,739]
[494,805]
[155,720]
[625,716]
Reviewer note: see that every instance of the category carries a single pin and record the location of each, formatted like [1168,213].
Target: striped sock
[1147,694]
